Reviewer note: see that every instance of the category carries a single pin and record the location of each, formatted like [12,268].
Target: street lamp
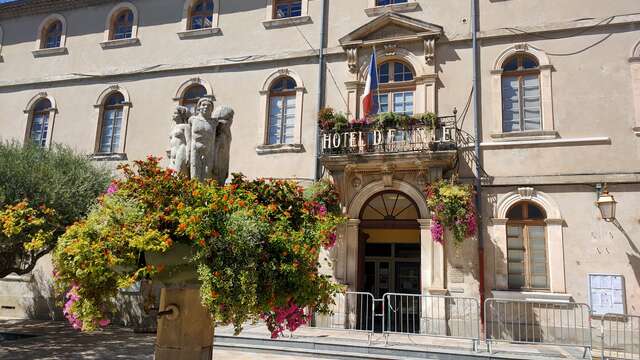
[607,205]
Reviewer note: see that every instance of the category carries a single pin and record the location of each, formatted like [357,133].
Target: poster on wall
[606,294]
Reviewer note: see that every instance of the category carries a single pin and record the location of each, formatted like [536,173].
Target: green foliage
[255,244]
[58,178]
[55,186]
[329,120]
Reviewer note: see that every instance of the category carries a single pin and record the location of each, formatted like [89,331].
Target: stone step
[326,350]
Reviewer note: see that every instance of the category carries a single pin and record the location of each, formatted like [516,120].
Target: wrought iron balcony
[413,136]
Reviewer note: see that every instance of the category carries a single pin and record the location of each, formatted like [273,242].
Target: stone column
[351,250]
[635,82]
[186,331]
[499,239]
[555,255]
[426,250]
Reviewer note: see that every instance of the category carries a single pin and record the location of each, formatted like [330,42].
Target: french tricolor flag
[370,100]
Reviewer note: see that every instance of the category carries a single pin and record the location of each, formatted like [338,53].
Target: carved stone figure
[224,116]
[180,141]
[200,143]
[203,140]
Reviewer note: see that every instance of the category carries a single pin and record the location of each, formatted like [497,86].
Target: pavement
[57,340]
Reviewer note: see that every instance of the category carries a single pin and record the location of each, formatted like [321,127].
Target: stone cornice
[32,7]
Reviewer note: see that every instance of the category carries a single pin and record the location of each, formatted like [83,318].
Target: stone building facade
[559,110]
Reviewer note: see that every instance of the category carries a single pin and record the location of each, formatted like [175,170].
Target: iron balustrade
[538,322]
[371,139]
[620,337]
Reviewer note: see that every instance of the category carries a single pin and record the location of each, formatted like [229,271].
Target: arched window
[122,25]
[527,247]
[390,206]
[192,95]
[111,124]
[282,111]
[397,87]
[52,35]
[40,122]
[521,108]
[287,8]
[201,14]
[389,2]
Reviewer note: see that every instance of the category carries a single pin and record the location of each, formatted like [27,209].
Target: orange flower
[241,203]
[214,294]
[182,227]
[202,243]
[168,241]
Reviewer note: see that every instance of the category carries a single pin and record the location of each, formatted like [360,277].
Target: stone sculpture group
[200,142]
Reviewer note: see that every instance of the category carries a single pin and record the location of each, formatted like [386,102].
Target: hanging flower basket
[453,209]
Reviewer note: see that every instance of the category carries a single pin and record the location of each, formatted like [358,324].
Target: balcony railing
[372,139]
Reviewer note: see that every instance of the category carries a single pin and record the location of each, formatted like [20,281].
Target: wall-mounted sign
[377,140]
[606,294]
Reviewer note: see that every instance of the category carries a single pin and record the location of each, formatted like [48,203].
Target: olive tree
[42,191]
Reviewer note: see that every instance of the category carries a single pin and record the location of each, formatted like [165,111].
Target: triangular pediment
[391,26]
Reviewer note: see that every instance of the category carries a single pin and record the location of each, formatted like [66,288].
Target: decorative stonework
[525,193]
[352,59]
[390,49]
[429,50]
[387,174]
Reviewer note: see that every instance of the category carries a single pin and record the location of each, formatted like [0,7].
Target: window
[606,294]
[111,126]
[521,107]
[122,25]
[201,15]
[40,123]
[287,8]
[389,2]
[192,95]
[282,111]
[527,248]
[397,88]
[52,35]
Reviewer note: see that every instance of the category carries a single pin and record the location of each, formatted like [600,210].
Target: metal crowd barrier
[352,311]
[538,322]
[620,336]
[432,315]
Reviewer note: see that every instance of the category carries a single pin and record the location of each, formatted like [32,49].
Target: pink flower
[112,188]
[472,223]
[331,241]
[321,210]
[104,322]
[437,231]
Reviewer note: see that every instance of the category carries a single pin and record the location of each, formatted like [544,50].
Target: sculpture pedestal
[186,333]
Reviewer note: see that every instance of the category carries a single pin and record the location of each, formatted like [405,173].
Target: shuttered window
[111,124]
[521,110]
[40,123]
[527,248]
[282,112]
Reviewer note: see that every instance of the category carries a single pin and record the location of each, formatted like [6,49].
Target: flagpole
[377,80]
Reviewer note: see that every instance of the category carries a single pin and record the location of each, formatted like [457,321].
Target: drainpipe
[476,126]
[321,83]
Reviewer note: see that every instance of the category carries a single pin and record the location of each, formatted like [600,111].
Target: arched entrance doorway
[389,249]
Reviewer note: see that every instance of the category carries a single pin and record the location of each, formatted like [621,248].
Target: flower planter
[175,264]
